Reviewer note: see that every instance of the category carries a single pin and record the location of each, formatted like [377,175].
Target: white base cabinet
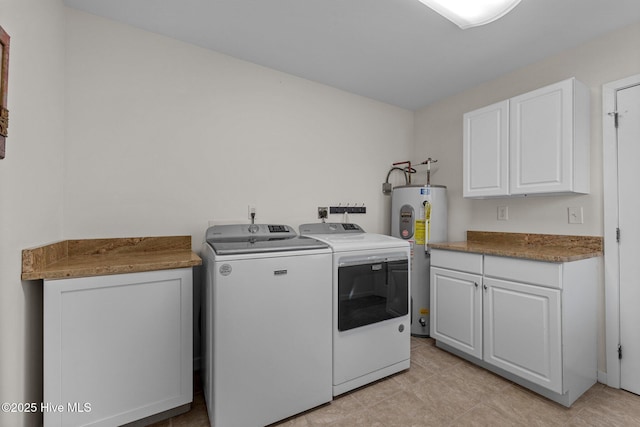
[117,348]
[522,331]
[533,322]
[456,301]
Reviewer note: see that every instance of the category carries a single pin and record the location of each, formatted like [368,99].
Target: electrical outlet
[503,213]
[576,215]
[323,212]
[251,209]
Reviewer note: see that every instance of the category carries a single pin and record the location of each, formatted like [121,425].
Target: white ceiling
[395,51]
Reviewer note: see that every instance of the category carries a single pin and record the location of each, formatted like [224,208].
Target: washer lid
[258,238]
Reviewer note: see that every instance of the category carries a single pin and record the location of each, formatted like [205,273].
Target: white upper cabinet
[486,151]
[549,140]
[544,134]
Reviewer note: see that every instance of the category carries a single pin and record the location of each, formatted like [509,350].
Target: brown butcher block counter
[538,247]
[98,257]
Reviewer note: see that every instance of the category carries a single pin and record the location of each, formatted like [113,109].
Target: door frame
[611,249]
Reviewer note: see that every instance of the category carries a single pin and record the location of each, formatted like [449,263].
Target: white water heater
[419,215]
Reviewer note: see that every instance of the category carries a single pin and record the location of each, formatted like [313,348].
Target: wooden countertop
[539,247]
[97,257]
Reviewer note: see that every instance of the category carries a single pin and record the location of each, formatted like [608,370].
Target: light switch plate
[576,215]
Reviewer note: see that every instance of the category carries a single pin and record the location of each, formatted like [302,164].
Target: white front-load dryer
[371,299]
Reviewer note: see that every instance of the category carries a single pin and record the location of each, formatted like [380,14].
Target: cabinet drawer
[548,274]
[454,260]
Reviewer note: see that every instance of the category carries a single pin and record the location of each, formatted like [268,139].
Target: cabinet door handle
[485,287]
[476,283]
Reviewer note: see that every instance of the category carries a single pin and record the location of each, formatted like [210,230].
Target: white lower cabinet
[117,348]
[456,301]
[522,331]
[533,322]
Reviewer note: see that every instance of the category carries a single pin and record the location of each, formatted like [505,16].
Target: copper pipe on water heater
[408,168]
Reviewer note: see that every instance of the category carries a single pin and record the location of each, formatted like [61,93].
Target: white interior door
[628,107]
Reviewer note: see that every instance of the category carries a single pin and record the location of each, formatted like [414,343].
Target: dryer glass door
[372,292]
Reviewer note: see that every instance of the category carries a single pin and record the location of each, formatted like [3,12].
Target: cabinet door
[522,331]
[541,140]
[486,151]
[456,310]
[117,348]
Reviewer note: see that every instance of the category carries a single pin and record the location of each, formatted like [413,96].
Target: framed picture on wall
[4,81]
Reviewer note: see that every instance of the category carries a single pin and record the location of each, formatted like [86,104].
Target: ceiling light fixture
[471,13]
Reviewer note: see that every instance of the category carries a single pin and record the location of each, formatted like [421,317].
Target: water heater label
[420,231]
[425,191]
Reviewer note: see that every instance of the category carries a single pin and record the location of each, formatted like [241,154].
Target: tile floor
[443,390]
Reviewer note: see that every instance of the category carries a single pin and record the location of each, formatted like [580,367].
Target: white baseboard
[602,377]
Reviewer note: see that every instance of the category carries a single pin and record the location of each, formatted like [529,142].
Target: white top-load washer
[371,299]
[267,324]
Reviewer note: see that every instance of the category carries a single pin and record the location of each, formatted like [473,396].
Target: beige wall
[30,189]
[118,132]
[439,135]
[164,136]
